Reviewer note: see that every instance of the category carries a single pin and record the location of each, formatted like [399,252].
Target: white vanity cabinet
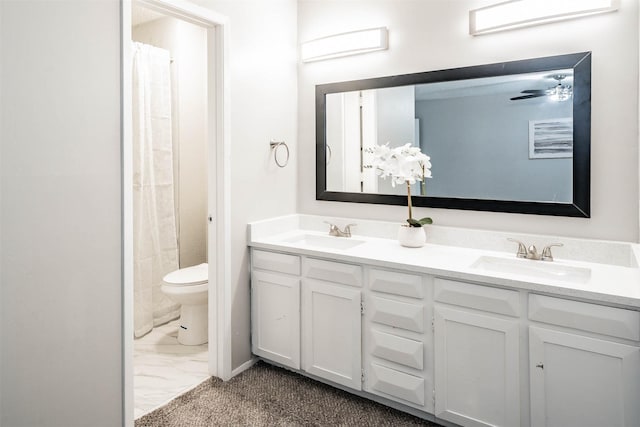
[452,351]
[477,340]
[576,378]
[331,321]
[397,338]
[275,307]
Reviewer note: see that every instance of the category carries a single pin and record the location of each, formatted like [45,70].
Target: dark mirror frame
[580,207]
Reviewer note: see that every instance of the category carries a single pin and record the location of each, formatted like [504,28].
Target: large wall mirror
[508,137]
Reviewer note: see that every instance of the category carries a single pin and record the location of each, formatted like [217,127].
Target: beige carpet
[268,396]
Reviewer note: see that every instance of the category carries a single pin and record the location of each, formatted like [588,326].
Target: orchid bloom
[403,164]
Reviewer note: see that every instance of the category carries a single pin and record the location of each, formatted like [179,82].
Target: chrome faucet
[335,231]
[522,248]
[546,252]
[532,252]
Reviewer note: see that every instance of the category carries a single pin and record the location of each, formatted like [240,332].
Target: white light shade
[523,13]
[344,44]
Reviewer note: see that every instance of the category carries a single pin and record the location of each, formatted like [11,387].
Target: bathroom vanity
[452,332]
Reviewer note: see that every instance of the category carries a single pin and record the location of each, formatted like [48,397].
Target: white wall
[263,106]
[187,44]
[433,35]
[1,210]
[61,205]
[190,61]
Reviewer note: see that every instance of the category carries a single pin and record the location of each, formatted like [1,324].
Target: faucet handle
[333,229]
[347,229]
[546,252]
[522,248]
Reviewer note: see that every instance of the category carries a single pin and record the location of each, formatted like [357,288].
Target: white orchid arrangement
[405,164]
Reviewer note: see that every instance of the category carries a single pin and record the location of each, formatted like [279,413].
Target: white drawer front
[494,300]
[274,261]
[337,272]
[392,282]
[397,314]
[397,349]
[616,322]
[397,384]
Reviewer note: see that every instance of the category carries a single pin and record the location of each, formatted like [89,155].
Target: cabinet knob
[540,365]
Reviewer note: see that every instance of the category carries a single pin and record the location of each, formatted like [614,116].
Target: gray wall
[479,148]
[395,109]
[61,230]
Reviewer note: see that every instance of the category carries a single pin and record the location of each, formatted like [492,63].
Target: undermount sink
[534,269]
[328,242]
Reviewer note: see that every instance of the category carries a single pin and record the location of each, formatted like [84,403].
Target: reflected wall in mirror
[510,137]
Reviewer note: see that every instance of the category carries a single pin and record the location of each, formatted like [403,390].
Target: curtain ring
[274,146]
[329,154]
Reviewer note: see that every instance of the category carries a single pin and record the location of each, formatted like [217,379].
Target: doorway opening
[176,200]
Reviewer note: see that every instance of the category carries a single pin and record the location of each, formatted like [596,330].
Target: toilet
[189,287]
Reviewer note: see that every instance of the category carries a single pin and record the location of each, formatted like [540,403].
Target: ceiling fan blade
[517,98]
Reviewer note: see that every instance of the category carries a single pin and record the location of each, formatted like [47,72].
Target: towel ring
[274,146]
[329,154]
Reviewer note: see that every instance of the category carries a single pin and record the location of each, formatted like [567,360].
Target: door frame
[219,188]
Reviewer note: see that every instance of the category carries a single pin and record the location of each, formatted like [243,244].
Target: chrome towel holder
[275,145]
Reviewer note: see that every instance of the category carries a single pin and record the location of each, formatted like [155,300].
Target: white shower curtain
[155,246]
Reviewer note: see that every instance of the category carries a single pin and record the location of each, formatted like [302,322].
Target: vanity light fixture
[344,44]
[523,13]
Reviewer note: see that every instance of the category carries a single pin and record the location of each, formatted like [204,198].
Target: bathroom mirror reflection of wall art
[507,137]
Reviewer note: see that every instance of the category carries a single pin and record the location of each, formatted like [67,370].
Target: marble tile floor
[164,369]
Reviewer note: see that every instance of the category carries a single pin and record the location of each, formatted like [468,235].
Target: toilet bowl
[190,288]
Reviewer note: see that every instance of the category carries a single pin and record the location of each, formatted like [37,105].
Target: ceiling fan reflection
[559,92]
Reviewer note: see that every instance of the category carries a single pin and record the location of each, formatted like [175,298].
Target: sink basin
[534,269]
[328,242]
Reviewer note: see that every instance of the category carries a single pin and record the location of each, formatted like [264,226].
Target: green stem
[409,198]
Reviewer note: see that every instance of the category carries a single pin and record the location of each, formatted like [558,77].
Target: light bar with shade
[344,44]
[523,13]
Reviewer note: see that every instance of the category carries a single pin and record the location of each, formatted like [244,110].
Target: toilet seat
[190,276]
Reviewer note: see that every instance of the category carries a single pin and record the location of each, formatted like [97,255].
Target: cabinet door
[476,368]
[275,312]
[331,341]
[581,381]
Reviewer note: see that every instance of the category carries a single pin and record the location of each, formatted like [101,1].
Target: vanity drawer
[494,300]
[615,322]
[397,349]
[387,381]
[273,261]
[393,282]
[331,271]
[397,314]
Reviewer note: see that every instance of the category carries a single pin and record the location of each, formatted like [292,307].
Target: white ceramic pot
[412,237]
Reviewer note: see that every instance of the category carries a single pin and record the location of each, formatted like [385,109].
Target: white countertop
[607,283]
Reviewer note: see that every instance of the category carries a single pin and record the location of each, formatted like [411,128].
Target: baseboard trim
[246,365]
